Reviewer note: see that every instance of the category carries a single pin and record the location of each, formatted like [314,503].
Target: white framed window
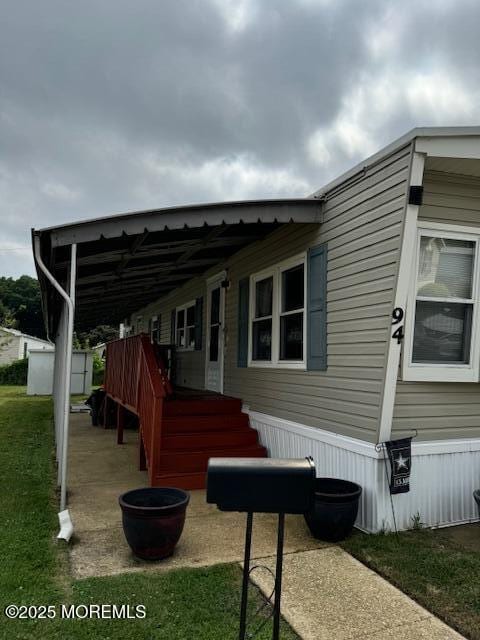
[185,327]
[277,319]
[442,324]
[155,329]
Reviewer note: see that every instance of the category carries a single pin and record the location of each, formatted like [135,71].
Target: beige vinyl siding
[442,410]
[362,223]
[451,199]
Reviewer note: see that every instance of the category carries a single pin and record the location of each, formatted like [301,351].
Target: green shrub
[98,370]
[14,373]
[97,378]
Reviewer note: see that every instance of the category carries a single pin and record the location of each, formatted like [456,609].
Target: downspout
[66,526]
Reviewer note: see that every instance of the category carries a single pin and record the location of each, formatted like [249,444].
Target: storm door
[215,334]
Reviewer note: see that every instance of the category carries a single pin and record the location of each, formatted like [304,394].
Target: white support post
[70,305]
[401,294]
[65,344]
[59,386]
[55,394]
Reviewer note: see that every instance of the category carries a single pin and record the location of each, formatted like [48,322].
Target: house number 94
[397,318]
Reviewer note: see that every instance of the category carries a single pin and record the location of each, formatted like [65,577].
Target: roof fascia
[304,210]
[467,147]
[431,133]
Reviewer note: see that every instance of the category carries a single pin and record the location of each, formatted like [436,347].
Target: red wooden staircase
[179,429]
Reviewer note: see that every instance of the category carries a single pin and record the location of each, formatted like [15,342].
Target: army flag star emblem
[401,462]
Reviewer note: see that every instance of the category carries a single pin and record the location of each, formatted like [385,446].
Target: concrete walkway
[327,594]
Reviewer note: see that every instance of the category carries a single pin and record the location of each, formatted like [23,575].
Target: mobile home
[341,320]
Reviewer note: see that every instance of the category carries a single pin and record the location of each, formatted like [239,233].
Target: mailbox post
[261,485]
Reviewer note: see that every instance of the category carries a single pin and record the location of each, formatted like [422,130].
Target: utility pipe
[65,522]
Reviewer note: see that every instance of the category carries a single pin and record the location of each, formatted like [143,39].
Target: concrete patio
[100,470]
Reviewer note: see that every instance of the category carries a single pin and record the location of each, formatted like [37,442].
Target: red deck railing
[135,379]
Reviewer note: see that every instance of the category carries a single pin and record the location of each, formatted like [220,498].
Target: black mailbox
[261,485]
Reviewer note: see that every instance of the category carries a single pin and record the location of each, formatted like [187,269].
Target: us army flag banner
[400,456]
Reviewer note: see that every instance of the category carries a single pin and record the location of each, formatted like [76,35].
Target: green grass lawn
[432,568]
[193,604]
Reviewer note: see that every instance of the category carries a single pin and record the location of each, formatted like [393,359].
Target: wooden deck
[180,429]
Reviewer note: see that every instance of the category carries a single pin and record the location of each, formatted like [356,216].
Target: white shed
[40,372]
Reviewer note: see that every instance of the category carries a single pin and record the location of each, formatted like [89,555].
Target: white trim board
[453,147]
[319,435]
[425,225]
[220,275]
[401,296]
[422,448]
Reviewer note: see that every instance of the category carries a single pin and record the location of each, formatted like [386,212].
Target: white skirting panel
[441,490]
[285,439]
[442,481]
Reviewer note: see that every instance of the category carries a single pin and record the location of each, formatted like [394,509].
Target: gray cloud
[115,105]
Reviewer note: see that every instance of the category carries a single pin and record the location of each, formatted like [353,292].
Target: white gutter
[66,526]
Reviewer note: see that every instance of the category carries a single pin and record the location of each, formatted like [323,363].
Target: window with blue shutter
[242,336]
[317,308]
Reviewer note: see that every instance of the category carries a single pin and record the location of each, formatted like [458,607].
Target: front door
[215,334]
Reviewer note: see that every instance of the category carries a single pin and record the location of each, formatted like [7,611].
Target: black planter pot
[153,520]
[334,509]
[476,495]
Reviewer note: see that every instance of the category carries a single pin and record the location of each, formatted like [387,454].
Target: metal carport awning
[100,271]
[125,261]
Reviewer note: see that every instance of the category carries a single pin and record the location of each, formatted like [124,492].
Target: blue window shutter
[173,321]
[317,308]
[198,323]
[243,302]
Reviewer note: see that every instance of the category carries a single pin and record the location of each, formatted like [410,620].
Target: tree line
[21,308]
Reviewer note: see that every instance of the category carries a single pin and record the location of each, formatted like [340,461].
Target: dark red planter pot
[153,520]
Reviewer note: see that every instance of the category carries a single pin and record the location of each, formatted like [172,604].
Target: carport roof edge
[305,210]
[123,260]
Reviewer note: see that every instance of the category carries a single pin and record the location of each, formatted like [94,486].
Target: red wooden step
[193,461]
[189,424]
[210,439]
[202,406]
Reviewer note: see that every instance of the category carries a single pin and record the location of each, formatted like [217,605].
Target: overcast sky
[116,105]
